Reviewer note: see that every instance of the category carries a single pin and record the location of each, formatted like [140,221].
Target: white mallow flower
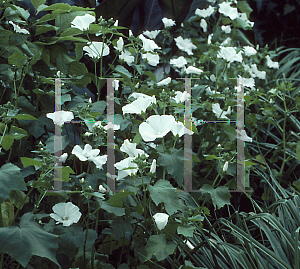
[115,84]
[140,105]
[181,96]
[153,166]
[271,64]
[193,70]
[229,54]
[126,168]
[131,150]
[151,34]
[203,24]
[185,45]
[96,50]
[189,244]
[127,57]
[156,126]
[153,59]
[65,213]
[89,154]
[165,81]
[256,73]
[204,12]
[209,39]
[179,129]
[63,157]
[120,44]
[110,125]
[137,95]
[179,62]
[243,16]
[60,117]
[249,51]
[168,22]
[102,189]
[148,44]
[243,136]
[228,11]
[83,22]
[225,167]
[226,29]
[249,82]
[220,114]
[161,220]
[18,29]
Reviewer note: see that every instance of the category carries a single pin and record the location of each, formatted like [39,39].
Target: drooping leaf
[220,195]
[112,209]
[153,15]
[10,179]
[118,198]
[158,246]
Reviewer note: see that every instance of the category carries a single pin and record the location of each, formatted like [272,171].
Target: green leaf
[137,139]
[77,69]
[58,6]
[7,214]
[24,117]
[121,227]
[17,197]
[158,246]
[7,141]
[22,243]
[17,39]
[118,198]
[50,143]
[60,55]
[18,59]
[37,3]
[66,171]
[41,29]
[11,179]
[186,231]
[111,209]
[220,196]
[71,32]
[28,162]
[164,192]
[298,150]
[150,75]
[123,71]
[174,164]
[244,7]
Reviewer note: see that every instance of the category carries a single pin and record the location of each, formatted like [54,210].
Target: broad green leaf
[7,141]
[7,214]
[220,196]
[118,198]
[244,7]
[212,157]
[60,54]
[10,179]
[150,75]
[36,128]
[18,59]
[58,6]
[50,143]
[121,227]
[158,246]
[137,139]
[22,243]
[123,71]
[163,191]
[72,38]
[37,3]
[66,171]
[77,69]
[41,29]
[24,117]
[28,161]
[186,231]
[71,32]
[174,164]
[17,39]
[111,209]
[17,198]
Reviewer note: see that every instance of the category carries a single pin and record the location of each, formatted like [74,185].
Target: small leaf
[28,161]
[18,59]
[244,7]
[220,196]
[186,231]
[118,198]
[150,75]
[158,246]
[24,117]
[37,3]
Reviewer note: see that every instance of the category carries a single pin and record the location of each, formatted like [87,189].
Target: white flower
[165,81]
[130,149]
[188,243]
[168,22]
[225,167]
[123,166]
[63,157]
[243,136]
[179,62]
[139,105]
[120,44]
[115,84]
[209,39]
[94,50]
[193,70]
[65,213]
[153,59]
[127,57]
[243,16]
[161,220]
[226,29]
[148,44]
[228,11]
[256,72]
[18,29]
[137,95]
[203,24]
[229,54]
[83,22]
[102,189]
[153,166]
[60,117]
[156,126]
[116,23]
[179,129]
[110,125]
[249,51]
[204,12]
[89,154]
[249,82]
[218,111]
[181,96]
[185,45]
[271,64]
[151,34]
